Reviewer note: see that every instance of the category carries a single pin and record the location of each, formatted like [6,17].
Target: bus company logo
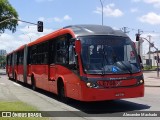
[6,114]
[118,83]
[120,78]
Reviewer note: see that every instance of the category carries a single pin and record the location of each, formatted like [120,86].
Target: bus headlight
[91,85]
[141,81]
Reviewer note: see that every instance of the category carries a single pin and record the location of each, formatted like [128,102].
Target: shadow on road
[108,106]
[102,107]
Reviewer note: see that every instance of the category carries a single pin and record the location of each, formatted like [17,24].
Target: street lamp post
[102,10]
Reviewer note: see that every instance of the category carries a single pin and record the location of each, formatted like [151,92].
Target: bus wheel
[61,92]
[33,83]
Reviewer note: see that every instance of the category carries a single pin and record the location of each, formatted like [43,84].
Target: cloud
[24,36]
[109,11]
[56,19]
[152,1]
[155,3]
[30,33]
[151,18]
[9,42]
[67,17]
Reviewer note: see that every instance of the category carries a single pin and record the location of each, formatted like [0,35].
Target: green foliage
[6,12]
[147,67]
[2,61]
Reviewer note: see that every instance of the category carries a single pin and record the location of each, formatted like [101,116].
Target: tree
[7,12]
[2,61]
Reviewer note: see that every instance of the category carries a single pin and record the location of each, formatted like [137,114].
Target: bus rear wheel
[33,85]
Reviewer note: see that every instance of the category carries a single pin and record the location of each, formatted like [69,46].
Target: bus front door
[52,78]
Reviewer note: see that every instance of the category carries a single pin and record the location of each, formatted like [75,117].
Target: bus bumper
[95,94]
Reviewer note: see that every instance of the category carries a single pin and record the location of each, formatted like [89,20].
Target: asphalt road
[44,101]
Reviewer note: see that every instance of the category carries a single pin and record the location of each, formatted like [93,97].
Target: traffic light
[137,37]
[40,26]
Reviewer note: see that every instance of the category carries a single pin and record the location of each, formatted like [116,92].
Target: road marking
[16,84]
[2,84]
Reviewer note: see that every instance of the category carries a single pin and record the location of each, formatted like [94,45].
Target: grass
[18,106]
[147,67]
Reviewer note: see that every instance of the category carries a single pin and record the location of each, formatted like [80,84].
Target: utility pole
[139,43]
[152,45]
[149,54]
[125,30]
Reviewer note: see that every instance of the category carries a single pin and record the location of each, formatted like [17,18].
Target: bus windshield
[104,54]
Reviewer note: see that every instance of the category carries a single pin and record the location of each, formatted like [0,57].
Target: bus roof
[80,30]
[84,30]
[52,35]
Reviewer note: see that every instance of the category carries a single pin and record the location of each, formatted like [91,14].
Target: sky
[132,14]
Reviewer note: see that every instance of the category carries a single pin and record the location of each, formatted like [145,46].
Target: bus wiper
[103,62]
[123,66]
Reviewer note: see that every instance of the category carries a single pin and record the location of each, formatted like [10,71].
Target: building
[153,58]
[3,52]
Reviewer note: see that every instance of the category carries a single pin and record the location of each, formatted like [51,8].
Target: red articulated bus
[83,62]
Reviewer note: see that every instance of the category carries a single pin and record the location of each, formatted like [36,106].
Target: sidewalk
[151,79]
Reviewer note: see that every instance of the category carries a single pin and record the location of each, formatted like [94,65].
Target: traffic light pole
[17,20]
[156,52]
[39,24]
[25,22]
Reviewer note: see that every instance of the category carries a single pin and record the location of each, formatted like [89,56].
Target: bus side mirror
[78,46]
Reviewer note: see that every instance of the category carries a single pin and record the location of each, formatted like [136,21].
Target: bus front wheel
[61,92]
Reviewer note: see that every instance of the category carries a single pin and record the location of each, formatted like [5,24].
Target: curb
[151,86]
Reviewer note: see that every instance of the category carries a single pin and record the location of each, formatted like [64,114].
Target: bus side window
[52,51]
[62,52]
[71,55]
[29,56]
[41,56]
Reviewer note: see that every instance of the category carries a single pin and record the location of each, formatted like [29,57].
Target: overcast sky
[133,14]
